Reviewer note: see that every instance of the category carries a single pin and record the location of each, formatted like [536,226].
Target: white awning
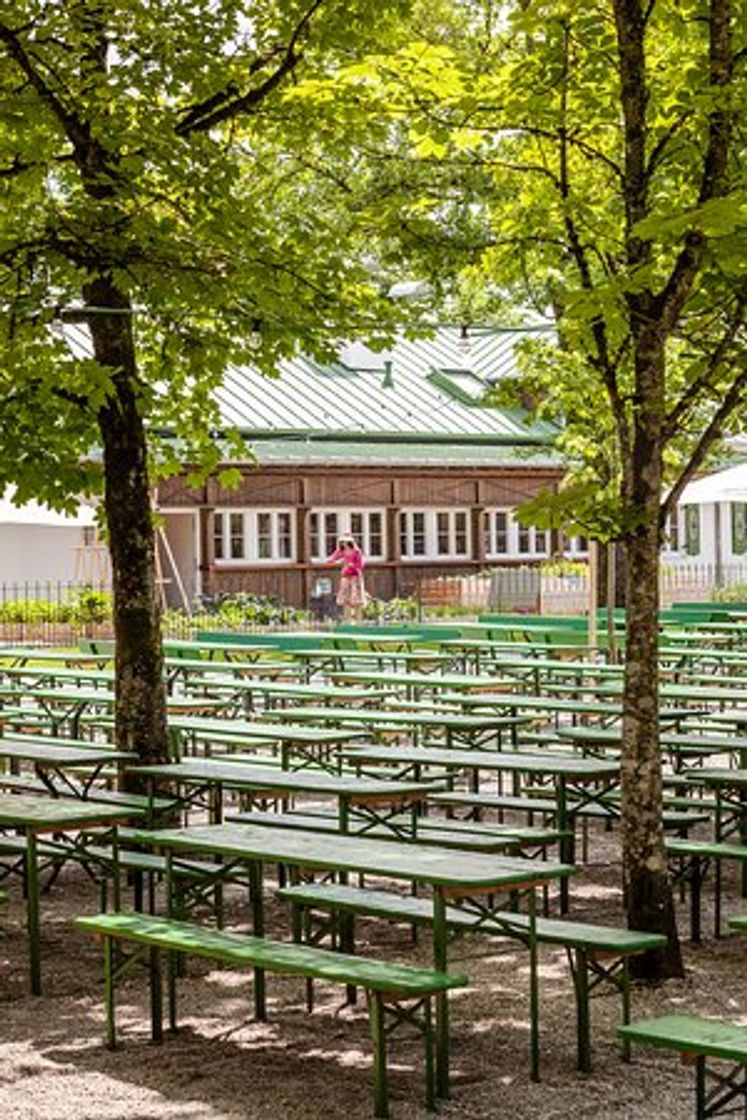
[33,513]
[723,486]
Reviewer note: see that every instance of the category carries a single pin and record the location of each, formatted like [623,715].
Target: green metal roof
[424,391]
[435,453]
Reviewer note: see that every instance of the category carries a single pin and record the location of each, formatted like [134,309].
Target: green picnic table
[458,728]
[374,801]
[730,786]
[697,1040]
[415,684]
[54,761]
[28,677]
[571,776]
[243,690]
[23,655]
[310,743]
[680,746]
[474,879]
[32,816]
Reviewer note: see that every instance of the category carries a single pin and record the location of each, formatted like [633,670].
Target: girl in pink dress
[351,593]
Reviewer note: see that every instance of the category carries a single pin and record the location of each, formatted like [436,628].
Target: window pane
[739,528]
[460,533]
[525,544]
[692,530]
[403,549]
[331,533]
[356,527]
[314,535]
[237,536]
[501,531]
[218,536]
[418,534]
[375,535]
[443,544]
[264,536]
[540,541]
[284,537]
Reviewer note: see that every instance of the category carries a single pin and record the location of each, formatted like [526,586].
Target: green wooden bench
[739,923]
[465,835]
[597,954]
[691,860]
[389,985]
[193,879]
[698,1039]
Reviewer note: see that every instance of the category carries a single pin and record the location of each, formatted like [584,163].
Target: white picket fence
[524,589]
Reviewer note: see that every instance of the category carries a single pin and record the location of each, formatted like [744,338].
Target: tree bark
[140,723]
[649,899]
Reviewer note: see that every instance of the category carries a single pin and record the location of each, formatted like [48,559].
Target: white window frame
[575,546]
[514,535]
[675,521]
[432,522]
[250,523]
[490,533]
[347,527]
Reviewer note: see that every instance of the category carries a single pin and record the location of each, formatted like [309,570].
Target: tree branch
[735,396]
[228,103]
[76,132]
[715,359]
[714,177]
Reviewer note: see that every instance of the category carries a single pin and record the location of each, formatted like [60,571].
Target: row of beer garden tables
[33,815]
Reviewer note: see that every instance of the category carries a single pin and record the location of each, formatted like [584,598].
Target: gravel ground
[223,1066]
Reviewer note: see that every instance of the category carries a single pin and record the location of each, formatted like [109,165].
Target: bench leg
[440,934]
[700,1088]
[156,996]
[583,1025]
[111,1027]
[258,929]
[378,1037]
[430,1064]
[625,990]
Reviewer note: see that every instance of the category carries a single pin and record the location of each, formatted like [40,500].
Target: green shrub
[391,610]
[736,593]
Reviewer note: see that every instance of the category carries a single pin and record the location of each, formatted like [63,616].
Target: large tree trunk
[648,890]
[140,693]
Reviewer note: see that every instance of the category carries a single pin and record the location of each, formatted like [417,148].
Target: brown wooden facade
[304,489]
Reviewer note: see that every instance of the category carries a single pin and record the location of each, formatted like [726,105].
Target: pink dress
[351,591]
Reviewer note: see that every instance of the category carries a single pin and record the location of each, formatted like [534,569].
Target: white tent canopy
[729,485]
[33,513]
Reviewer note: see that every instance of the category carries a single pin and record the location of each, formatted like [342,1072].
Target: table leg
[534,1006]
[258,928]
[32,913]
[442,1002]
[566,838]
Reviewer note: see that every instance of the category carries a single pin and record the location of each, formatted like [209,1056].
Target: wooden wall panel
[266,490]
[437,491]
[348,490]
[512,490]
[174,492]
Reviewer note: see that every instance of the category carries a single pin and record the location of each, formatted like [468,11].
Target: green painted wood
[428,864]
[235,775]
[707,849]
[569,765]
[690,1034]
[386,904]
[739,923]
[463,835]
[58,756]
[47,814]
[254,729]
[246,951]
[381,718]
